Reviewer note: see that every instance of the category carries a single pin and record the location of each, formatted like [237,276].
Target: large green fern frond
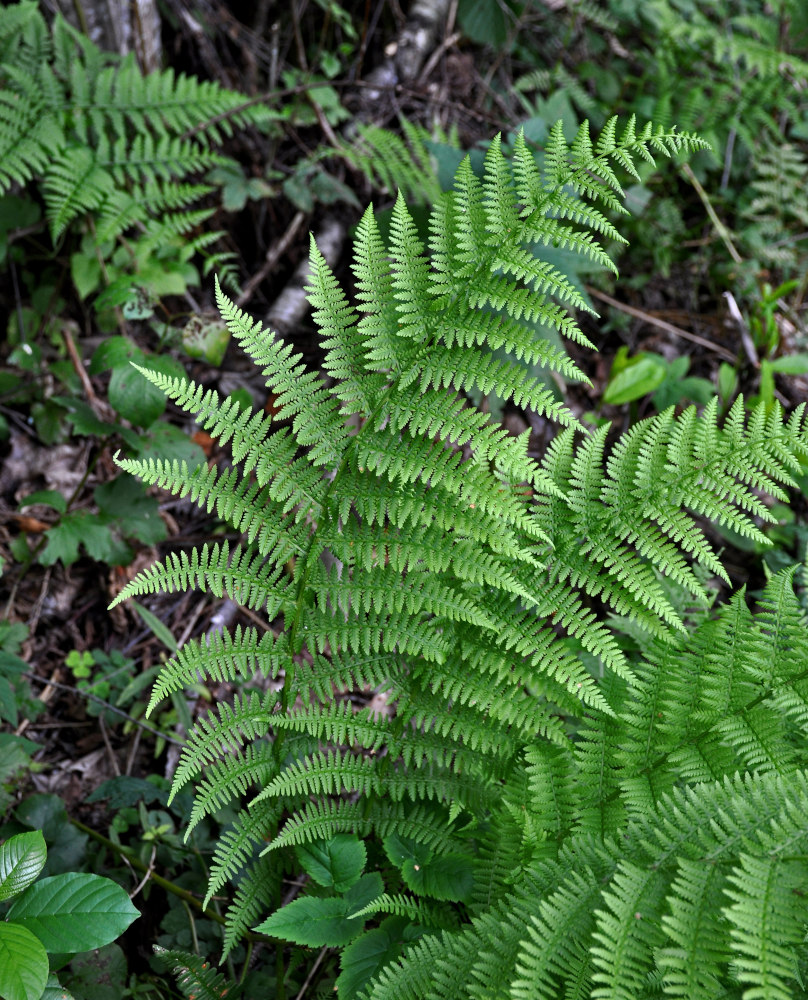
[599,779]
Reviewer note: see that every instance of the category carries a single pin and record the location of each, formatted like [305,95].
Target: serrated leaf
[74,912]
[448,877]
[365,956]
[324,922]
[83,420]
[23,964]
[337,862]
[125,790]
[74,530]
[312,922]
[22,858]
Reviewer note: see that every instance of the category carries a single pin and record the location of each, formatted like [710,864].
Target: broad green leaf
[99,974]
[162,631]
[43,812]
[8,702]
[206,339]
[55,991]
[22,858]
[362,894]
[790,364]
[727,381]
[324,922]
[337,862]
[365,956]
[79,528]
[127,791]
[52,498]
[134,397]
[85,270]
[448,877]
[23,964]
[74,912]
[483,21]
[84,420]
[124,500]
[168,442]
[634,381]
[402,849]
[313,922]
[115,352]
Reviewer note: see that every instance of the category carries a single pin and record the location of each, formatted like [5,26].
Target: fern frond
[612,781]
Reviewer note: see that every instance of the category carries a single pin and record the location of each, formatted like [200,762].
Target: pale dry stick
[273,255]
[133,749]
[223,617]
[99,701]
[45,696]
[115,765]
[721,229]
[290,306]
[662,324]
[36,614]
[101,410]
[79,368]
[149,872]
[432,62]
[408,53]
[743,329]
[189,627]
[312,971]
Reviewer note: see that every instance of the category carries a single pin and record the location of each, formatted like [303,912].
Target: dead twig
[662,324]
[273,255]
[100,701]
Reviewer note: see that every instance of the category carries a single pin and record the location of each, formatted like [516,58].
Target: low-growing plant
[584,774]
[58,916]
[116,158]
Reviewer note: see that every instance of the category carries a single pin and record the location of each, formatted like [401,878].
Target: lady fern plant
[116,150]
[587,781]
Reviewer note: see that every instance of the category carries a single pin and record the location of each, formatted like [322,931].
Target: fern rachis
[557,813]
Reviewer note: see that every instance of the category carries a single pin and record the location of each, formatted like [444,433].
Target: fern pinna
[584,781]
